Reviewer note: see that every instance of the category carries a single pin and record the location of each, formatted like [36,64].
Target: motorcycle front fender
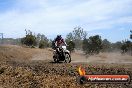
[67,51]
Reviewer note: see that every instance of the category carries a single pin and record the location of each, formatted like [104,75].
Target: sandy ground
[45,54]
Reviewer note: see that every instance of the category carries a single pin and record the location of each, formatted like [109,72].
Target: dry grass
[18,52]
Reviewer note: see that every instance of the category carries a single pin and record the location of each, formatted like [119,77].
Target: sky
[111,19]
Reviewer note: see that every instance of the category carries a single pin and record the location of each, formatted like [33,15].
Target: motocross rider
[59,41]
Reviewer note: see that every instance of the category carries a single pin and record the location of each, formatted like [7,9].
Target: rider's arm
[55,43]
[64,42]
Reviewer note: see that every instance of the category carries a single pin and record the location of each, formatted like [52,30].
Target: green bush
[43,44]
[126,47]
[71,46]
[92,45]
[29,39]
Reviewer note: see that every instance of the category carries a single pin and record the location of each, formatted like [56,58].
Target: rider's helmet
[59,37]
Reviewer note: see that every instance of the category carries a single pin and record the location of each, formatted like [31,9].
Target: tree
[106,46]
[85,45]
[53,44]
[92,45]
[69,37]
[38,38]
[71,46]
[131,34]
[126,46]
[50,43]
[116,46]
[29,39]
[77,36]
[42,41]
[43,44]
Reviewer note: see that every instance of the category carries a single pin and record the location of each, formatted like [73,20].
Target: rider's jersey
[59,42]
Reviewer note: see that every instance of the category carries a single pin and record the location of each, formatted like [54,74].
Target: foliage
[69,37]
[42,41]
[126,47]
[85,45]
[77,36]
[50,43]
[43,44]
[71,46]
[53,44]
[41,37]
[92,45]
[29,39]
[106,46]
[131,34]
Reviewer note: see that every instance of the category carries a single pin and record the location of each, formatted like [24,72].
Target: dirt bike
[62,54]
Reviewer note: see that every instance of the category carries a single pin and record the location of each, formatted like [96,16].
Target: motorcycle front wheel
[67,58]
[55,59]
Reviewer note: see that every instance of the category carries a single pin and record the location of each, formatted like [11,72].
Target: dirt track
[34,68]
[77,57]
